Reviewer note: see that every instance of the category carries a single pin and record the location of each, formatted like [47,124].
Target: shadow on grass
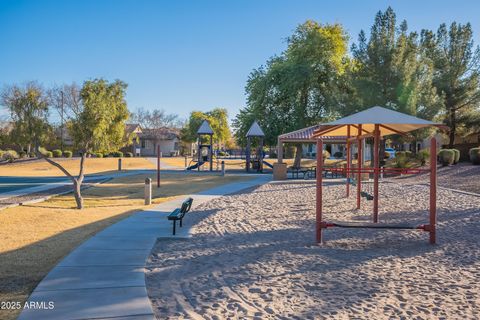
[22,269]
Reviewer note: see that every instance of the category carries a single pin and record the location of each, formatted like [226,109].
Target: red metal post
[158,166]
[319,190]
[359,164]
[433,190]
[376,172]
[347,174]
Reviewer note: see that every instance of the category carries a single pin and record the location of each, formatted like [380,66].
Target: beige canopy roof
[389,121]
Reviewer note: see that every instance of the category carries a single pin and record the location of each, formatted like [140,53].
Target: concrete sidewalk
[104,277]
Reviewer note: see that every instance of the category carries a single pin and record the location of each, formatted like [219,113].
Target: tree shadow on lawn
[23,268]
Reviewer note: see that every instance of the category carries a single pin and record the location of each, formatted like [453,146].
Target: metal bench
[179,213]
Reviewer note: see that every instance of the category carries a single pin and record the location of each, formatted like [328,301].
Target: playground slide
[267,164]
[195,166]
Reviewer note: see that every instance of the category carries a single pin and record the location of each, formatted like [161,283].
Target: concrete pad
[84,258]
[64,278]
[90,303]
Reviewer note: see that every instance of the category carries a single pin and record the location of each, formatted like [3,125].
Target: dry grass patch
[36,237]
[39,168]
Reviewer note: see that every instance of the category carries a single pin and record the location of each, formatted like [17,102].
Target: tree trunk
[298,156]
[453,127]
[77,185]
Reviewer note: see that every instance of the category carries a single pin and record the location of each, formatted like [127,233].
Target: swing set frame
[350,170]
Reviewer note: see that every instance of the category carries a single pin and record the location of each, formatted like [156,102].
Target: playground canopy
[205,128]
[255,130]
[389,122]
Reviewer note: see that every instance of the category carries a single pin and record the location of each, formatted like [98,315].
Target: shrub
[338,155]
[401,161]
[423,155]
[117,154]
[456,155]
[446,156]
[474,154]
[129,155]
[98,155]
[32,154]
[57,153]
[10,155]
[106,154]
[386,155]
[222,154]
[409,154]
[48,154]
[67,154]
[400,154]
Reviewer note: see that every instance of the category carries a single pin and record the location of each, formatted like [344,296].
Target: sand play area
[252,256]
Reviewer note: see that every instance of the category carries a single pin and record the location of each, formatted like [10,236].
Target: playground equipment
[204,152]
[374,122]
[257,163]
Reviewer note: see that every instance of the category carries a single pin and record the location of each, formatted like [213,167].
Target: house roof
[391,122]
[160,134]
[205,128]
[306,135]
[255,130]
[132,127]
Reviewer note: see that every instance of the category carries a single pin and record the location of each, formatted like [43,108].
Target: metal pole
[158,165]
[63,122]
[247,154]
[359,165]
[148,191]
[223,168]
[319,191]
[433,191]
[120,164]
[347,175]
[376,168]
[211,152]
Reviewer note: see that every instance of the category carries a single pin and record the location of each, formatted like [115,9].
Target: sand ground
[252,256]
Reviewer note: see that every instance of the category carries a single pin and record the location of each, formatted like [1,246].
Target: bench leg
[174,225]
[181,220]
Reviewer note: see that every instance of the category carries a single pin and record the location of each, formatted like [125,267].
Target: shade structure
[205,128]
[389,121]
[255,130]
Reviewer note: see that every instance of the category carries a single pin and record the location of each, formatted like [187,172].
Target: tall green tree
[97,125]
[390,69]
[28,108]
[457,74]
[218,120]
[300,87]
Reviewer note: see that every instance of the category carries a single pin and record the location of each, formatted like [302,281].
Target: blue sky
[180,55]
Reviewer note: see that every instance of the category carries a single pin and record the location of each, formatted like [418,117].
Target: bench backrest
[186,205]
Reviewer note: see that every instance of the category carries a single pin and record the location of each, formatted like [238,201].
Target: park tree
[96,124]
[155,119]
[457,74]
[218,120]
[28,108]
[65,101]
[391,69]
[298,88]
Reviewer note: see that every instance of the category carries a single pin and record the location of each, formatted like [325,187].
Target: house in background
[146,141]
